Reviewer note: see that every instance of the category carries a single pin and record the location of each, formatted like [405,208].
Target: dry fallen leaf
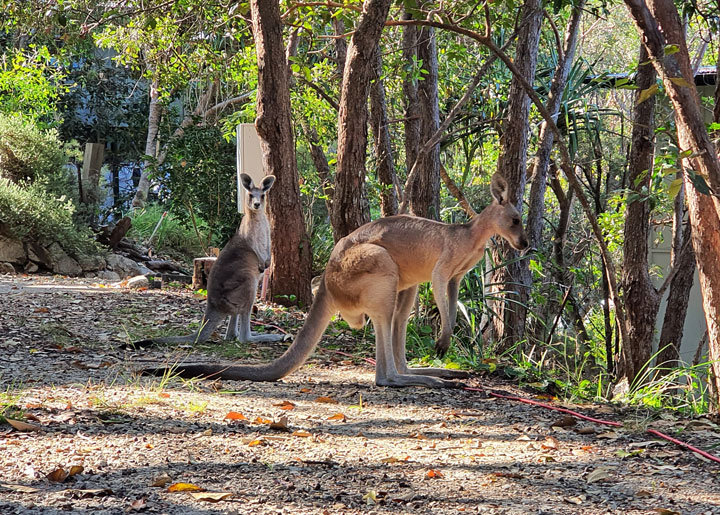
[58,475]
[286,405]
[19,488]
[393,459]
[326,400]
[161,480]
[280,425]
[305,390]
[598,474]
[261,420]
[211,496]
[23,426]
[257,441]
[434,474]
[665,511]
[338,416]
[302,433]
[184,487]
[234,415]
[565,421]
[76,469]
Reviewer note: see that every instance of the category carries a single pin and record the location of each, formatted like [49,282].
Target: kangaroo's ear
[247,181]
[499,188]
[268,183]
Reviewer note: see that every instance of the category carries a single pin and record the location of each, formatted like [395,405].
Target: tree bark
[383,144]
[677,77]
[154,115]
[424,189]
[677,304]
[291,252]
[536,210]
[512,311]
[640,297]
[410,96]
[350,204]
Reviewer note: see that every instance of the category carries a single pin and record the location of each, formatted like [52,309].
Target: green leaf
[671,49]
[699,183]
[674,188]
[679,81]
[647,93]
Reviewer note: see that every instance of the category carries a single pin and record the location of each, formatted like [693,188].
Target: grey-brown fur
[375,272]
[233,281]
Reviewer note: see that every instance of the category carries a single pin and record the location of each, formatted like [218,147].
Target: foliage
[29,211]
[29,154]
[30,83]
[199,180]
[172,237]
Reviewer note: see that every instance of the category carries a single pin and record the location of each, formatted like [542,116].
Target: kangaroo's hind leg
[405,301]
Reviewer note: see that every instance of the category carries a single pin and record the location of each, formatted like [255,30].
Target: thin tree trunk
[350,204]
[410,96]
[291,252]
[536,209]
[383,144]
[641,298]
[424,189]
[677,304]
[677,77]
[515,278]
[154,115]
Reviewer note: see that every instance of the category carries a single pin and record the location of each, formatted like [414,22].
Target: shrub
[31,155]
[199,173]
[172,237]
[28,212]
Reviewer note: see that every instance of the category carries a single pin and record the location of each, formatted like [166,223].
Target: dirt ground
[101,439]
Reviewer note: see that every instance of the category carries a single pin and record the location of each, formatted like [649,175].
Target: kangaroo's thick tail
[293,358]
[209,323]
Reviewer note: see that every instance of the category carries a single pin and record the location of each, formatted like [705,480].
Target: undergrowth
[172,237]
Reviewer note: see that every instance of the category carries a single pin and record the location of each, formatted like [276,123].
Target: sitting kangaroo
[375,271]
[233,281]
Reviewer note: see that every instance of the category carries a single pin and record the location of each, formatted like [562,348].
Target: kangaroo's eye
[516,221]
[262,197]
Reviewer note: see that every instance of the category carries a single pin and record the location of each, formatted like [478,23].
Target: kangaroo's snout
[522,244]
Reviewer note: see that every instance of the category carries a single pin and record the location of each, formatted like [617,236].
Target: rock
[12,251]
[139,281]
[31,268]
[7,268]
[126,267]
[38,254]
[62,263]
[91,263]
[107,275]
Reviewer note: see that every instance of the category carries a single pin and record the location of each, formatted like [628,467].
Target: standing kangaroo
[375,271]
[233,281]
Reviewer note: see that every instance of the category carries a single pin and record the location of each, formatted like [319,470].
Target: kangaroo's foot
[447,373]
[266,338]
[402,380]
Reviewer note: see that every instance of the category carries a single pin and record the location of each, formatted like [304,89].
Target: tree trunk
[410,96]
[515,278]
[291,252]
[536,210]
[640,297]
[424,190]
[383,144]
[677,77]
[350,204]
[677,305]
[154,115]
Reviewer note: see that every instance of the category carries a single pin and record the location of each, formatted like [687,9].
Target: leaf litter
[289,446]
